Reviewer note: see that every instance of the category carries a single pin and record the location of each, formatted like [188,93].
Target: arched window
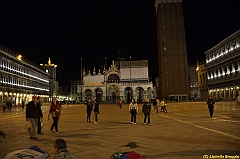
[113,78]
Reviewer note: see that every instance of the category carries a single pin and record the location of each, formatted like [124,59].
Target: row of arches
[114,93]
[223,71]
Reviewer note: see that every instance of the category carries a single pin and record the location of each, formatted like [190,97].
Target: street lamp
[130,71]
[105,74]
[81,82]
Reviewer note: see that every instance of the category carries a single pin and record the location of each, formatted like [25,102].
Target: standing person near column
[55,111]
[146,109]
[33,112]
[39,125]
[96,110]
[89,105]
[133,108]
[210,103]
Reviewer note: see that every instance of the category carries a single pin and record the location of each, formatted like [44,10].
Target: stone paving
[185,132]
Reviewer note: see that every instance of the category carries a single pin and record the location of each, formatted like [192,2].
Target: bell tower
[172,52]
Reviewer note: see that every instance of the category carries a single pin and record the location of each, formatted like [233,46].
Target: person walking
[146,109]
[163,106]
[60,150]
[96,110]
[39,125]
[155,105]
[119,103]
[89,105]
[23,104]
[133,108]
[210,103]
[55,111]
[33,112]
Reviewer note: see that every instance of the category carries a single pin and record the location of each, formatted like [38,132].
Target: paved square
[186,131]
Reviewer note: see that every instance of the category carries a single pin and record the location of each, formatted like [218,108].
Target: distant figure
[155,105]
[96,110]
[9,105]
[163,106]
[23,104]
[55,111]
[119,103]
[89,105]
[4,106]
[33,112]
[210,103]
[238,100]
[146,109]
[60,150]
[133,107]
[40,119]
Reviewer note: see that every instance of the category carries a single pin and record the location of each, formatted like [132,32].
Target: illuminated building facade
[172,52]
[223,68]
[123,80]
[20,78]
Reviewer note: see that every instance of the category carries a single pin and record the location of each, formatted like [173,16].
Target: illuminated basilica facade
[220,76]
[123,80]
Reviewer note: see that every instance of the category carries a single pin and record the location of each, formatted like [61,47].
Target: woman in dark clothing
[146,109]
[96,110]
[89,109]
[210,103]
[55,111]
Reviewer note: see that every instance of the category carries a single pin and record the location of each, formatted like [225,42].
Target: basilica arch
[88,93]
[113,78]
[139,94]
[113,92]
[99,94]
[128,94]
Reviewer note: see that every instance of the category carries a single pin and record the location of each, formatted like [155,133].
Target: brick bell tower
[172,52]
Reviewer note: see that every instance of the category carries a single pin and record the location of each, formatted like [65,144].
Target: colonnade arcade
[18,98]
[229,92]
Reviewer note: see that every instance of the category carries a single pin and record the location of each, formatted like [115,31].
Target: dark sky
[65,30]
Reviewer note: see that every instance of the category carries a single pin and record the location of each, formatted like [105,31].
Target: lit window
[164,48]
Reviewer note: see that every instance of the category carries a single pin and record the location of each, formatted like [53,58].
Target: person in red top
[55,111]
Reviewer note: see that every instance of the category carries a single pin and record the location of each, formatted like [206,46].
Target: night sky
[65,31]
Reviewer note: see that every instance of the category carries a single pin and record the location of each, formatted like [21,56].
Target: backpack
[127,155]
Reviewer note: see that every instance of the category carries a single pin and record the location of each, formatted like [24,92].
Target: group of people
[146,109]
[157,103]
[7,106]
[92,105]
[34,116]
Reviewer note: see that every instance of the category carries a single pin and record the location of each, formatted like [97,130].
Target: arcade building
[219,77]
